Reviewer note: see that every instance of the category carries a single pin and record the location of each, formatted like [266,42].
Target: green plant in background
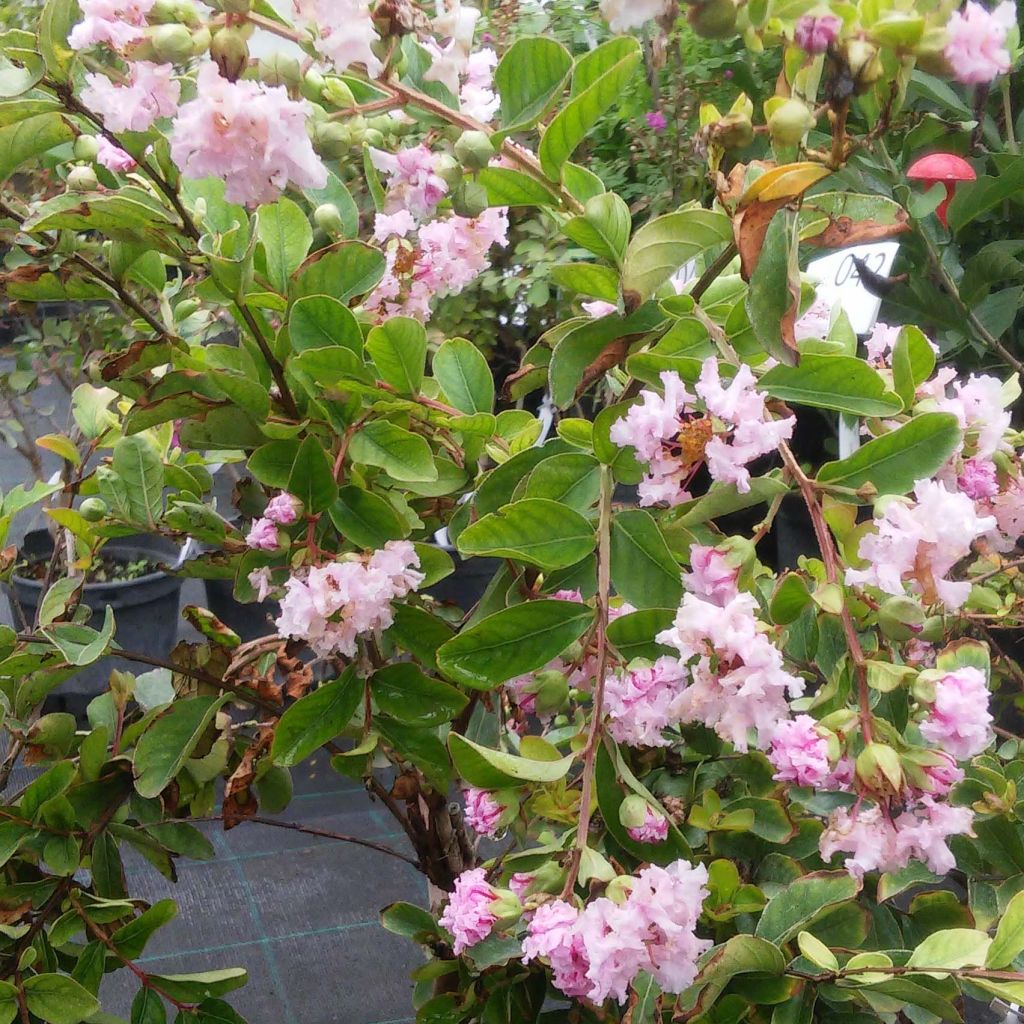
[721,780]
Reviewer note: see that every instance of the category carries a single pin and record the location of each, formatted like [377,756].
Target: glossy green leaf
[131,939]
[343,272]
[465,378]
[16,79]
[311,478]
[603,228]
[406,694]
[633,634]
[404,456]
[366,519]
[742,954]
[506,187]
[316,718]
[973,199]
[398,348]
[494,769]
[529,78]
[803,902]
[1008,943]
[773,297]
[588,279]
[285,234]
[843,383]
[140,473]
[913,360]
[55,23]
[58,999]
[318,321]
[642,567]
[574,479]
[193,988]
[952,948]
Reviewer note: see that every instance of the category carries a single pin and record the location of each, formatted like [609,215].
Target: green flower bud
[172,43]
[469,199]
[93,509]
[879,769]
[312,85]
[713,19]
[163,12]
[633,811]
[122,687]
[552,691]
[82,179]
[474,150]
[332,139]
[865,64]
[449,170]
[54,733]
[280,69]
[86,147]
[373,137]
[328,218]
[933,630]
[185,12]
[549,877]
[201,40]
[230,52]
[734,131]
[336,92]
[900,618]
[790,121]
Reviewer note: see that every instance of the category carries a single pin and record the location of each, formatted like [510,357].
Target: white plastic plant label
[838,281]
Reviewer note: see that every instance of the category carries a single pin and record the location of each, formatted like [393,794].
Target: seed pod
[82,179]
[789,122]
[172,44]
[474,150]
[230,52]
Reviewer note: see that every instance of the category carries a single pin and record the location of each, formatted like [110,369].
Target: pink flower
[399,224]
[520,882]
[152,92]
[919,544]
[881,343]
[344,32]
[412,181]
[599,308]
[712,578]
[639,701]
[552,934]
[469,916]
[919,653]
[976,41]
[477,98]
[960,721]
[260,581]
[924,832]
[815,34]
[655,419]
[738,680]
[943,777]
[113,158]
[282,509]
[250,134]
[815,323]
[799,753]
[622,15]
[482,811]
[263,535]
[978,479]
[977,404]
[115,22]
[656,121]
[1008,509]
[653,830]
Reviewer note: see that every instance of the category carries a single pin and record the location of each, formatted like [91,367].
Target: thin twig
[339,836]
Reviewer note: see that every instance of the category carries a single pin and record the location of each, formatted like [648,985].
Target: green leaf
[336,192]
[512,642]
[529,78]
[139,468]
[420,745]
[317,321]
[327,367]
[843,383]
[343,272]
[406,694]
[742,954]
[16,79]
[366,519]
[131,939]
[148,1008]
[494,769]
[311,479]
[82,645]
[316,718]
[169,741]
[604,227]
[802,902]
[633,634]
[588,279]
[419,632]
[952,948]
[664,244]
[408,920]
[574,479]
[465,378]
[538,531]
[1008,943]
[791,597]
[894,462]
[617,60]
[272,463]
[817,952]
[286,236]
[913,360]
[642,567]
[55,24]
[58,597]
[404,456]
[398,348]
[506,187]
[58,999]
[192,988]
[975,198]
[773,296]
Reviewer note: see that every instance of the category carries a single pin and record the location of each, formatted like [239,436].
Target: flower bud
[469,199]
[474,150]
[82,179]
[86,147]
[900,618]
[312,85]
[844,720]
[373,137]
[328,218]
[713,19]
[336,92]
[633,811]
[186,14]
[280,69]
[865,64]
[163,12]
[230,52]
[734,131]
[122,687]
[201,40]
[449,170]
[815,34]
[551,691]
[933,630]
[507,908]
[332,139]
[879,769]
[790,122]
[92,509]
[172,44]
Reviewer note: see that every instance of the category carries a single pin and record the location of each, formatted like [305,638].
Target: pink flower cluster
[739,682]
[799,753]
[482,811]
[959,720]
[445,256]
[919,543]
[669,435]
[344,32]
[114,22]
[330,606]
[281,510]
[250,134]
[151,92]
[711,577]
[413,185]
[977,404]
[640,701]
[976,41]
[597,952]
[877,842]
[113,157]
[654,828]
[477,98]
[816,33]
[470,915]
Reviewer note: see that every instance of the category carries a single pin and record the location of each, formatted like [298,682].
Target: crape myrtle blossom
[344,32]
[263,535]
[977,404]
[282,509]
[598,308]
[816,33]
[329,606]
[455,23]
[918,543]
[250,134]
[712,577]
[653,829]
[470,915]
[640,701]
[482,811]
[673,438]
[959,720]
[622,15]
[151,92]
[596,953]
[976,41]
[112,157]
[799,753]
[117,23]
[477,98]
[413,184]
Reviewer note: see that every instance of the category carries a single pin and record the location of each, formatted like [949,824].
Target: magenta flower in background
[656,120]
[469,916]
[816,34]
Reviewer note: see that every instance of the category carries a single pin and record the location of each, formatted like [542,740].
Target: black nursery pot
[249,621]
[145,609]
[467,584]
